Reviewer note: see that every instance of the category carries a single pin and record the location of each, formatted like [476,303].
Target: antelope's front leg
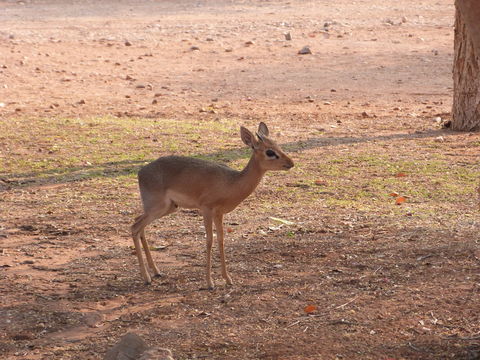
[218,219]
[207,219]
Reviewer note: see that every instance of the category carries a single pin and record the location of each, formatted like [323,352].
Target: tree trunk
[466,66]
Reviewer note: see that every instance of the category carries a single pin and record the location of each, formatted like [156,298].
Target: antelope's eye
[271,153]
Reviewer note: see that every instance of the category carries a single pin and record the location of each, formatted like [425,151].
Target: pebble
[440,139]
[194,48]
[305,51]
[288,36]
[128,43]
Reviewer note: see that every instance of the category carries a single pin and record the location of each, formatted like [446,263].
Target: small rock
[249,43]
[439,139]
[154,101]
[128,43]
[447,124]
[81,102]
[194,48]
[229,49]
[130,346]
[365,114]
[305,51]
[209,39]
[128,77]
[404,19]
[141,86]
[288,36]
[437,119]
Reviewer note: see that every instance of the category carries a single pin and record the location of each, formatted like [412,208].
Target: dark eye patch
[271,153]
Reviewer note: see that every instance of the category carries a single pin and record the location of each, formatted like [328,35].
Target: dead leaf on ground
[400,200]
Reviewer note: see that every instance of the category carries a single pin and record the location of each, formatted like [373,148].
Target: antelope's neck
[249,178]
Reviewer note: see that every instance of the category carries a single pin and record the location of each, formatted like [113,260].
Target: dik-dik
[171,182]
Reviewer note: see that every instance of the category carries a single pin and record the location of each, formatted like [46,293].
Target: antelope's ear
[260,136]
[262,129]
[248,138]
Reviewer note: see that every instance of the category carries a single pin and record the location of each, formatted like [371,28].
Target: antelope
[173,182]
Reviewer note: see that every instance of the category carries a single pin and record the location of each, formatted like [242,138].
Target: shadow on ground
[126,167]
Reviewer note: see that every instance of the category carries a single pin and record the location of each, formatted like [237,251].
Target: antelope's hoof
[228,281]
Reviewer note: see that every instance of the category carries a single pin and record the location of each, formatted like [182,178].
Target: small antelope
[174,181]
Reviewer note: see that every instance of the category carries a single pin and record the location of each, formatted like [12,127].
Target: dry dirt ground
[91,90]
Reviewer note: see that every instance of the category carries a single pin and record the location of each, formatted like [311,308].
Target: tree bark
[466,66]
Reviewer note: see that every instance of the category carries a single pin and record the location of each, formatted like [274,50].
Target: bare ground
[90,91]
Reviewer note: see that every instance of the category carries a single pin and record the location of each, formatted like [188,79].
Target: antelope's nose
[289,164]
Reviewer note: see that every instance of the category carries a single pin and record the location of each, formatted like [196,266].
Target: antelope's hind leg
[139,240]
[156,273]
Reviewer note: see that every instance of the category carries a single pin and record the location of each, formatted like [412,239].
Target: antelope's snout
[288,163]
